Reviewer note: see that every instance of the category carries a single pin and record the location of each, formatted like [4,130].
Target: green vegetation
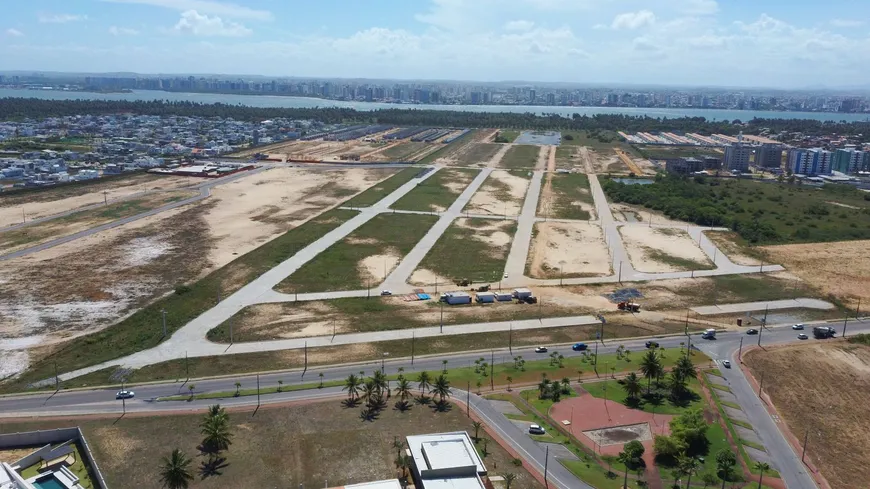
[568,188]
[79,468]
[447,148]
[677,261]
[505,136]
[661,404]
[339,268]
[860,339]
[593,474]
[653,152]
[599,140]
[437,192]
[762,213]
[478,153]
[460,253]
[253,392]
[521,156]
[374,194]
[402,151]
[143,329]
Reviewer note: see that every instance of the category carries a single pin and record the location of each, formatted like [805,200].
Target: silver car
[125,394]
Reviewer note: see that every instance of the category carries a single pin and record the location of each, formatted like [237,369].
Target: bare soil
[575,249]
[841,268]
[823,388]
[502,193]
[648,248]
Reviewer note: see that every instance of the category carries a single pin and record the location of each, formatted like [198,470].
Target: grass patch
[760,212]
[478,153]
[437,192]
[374,194]
[593,474]
[79,468]
[660,152]
[679,262]
[715,371]
[543,405]
[253,392]
[659,405]
[521,156]
[448,149]
[338,268]
[600,140]
[506,136]
[732,405]
[459,253]
[720,387]
[752,444]
[402,151]
[568,188]
[741,423]
[141,330]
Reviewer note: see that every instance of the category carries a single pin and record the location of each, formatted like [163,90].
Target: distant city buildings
[849,160]
[769,155]
[815,161]
[737,156]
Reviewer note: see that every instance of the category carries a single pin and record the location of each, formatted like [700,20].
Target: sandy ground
[422,276]
[839,388]
[502,193]
[841,268]
[15,240]
[85,285]
[642,242]
[491,232]
[634,213]
[569,250]
[375,268]
[725,241]
[56,200]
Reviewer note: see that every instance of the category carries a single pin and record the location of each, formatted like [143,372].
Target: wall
[60,435]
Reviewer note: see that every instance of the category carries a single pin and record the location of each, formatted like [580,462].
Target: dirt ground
[575,249]
[634,213]
[841,268]
[273,448]
[648,248]
[726,241]
[823,388]
[61,199]
[87,284]
[29,236]
[502,193]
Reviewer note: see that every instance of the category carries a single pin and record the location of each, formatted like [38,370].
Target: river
[305,102]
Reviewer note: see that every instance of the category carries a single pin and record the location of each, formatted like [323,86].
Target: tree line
[14,108]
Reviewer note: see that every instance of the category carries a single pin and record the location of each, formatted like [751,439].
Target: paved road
[515,267]
[204,192]
[191,337]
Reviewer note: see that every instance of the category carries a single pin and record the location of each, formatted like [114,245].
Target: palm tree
[380,381]
[369,392]
[650,366]
[280,383]
[403,391]
[351,385]
[321,380]
[677,384]
[509,478]
[688,466]
[566,384]
[217,434]
[441,388]
[761,467]
[424,381]
[630,456]
[685,367]
[632,386]
[476,425]
[509,380]
[217,411]
[174,471]
[725,462]
[444,366]
[238,386]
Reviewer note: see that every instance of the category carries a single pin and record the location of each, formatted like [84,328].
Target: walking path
[802,302]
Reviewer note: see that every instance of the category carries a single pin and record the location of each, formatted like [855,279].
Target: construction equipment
[482,288]
[463,282]
[632,166]
[629,306]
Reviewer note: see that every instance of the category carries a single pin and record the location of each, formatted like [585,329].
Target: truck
[822,332]
[482,288]
[628,306]
[463,282]
[709,334]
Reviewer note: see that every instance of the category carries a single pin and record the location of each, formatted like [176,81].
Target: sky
[739,43]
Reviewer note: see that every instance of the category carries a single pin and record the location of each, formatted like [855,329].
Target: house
[445,461]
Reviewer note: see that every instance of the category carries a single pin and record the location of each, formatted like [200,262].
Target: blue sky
[769,43]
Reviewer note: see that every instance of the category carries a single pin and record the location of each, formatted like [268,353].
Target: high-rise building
[532,96]
[737,156]
[848,160]
[769,155]
[814,161]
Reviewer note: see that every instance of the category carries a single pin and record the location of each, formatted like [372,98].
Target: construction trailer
[522,293]
[504,296]
[486,297]
[454,298]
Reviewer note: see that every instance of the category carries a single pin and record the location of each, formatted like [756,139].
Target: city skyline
[686,43]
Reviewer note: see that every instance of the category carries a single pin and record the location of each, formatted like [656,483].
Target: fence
[59,435]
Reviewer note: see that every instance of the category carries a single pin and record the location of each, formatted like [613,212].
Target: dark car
[751,331]
[652,344]
[580,347]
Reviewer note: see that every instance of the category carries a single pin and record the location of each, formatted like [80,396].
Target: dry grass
[824,388]
[840,269]
[273,448]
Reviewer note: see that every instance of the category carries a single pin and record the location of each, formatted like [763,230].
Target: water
[304,102]
[49,483]
[539,137]
[635,181]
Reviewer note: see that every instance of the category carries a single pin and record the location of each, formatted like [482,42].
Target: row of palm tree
[373,390]
[175,470]
[651,367]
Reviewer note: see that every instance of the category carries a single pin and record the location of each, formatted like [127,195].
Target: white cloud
[192,22]
[847,23]
[14,32]
[224,9]
[518,25]
[45,18]
[122,31]
[633,20]
[699,7]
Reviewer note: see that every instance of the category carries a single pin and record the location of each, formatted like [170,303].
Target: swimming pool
[49,482]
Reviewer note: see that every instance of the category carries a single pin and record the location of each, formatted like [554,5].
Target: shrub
[182,289]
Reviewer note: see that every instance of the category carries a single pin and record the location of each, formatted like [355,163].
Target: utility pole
[333,330]
[761,385]
[468,399]
[442,316]
[687,322]
[740,351]
[56,378]
[764,320]
[546,460]
[231,332]
[845,321]
[804,451]
[857,311]
[186,366]
[413,337]
[258,391]
[511,338]
[164,322]
[105,197]
[491,369]
[540,309]
[619,278]
[305,369]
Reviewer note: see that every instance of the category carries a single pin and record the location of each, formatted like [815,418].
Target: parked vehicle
[628,306]
[541,349]
[797,326]
[580,347]
[652,344]
[536,430]
[386,292]
[125,394]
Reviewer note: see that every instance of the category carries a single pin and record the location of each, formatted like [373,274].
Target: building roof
[443,451]
[454,483]
[388,484]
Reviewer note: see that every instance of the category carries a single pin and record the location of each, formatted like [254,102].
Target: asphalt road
[204,192]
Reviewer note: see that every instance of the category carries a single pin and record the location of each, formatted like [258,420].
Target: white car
[797,326]
[803,337]
[386,292]
[536,430]
[541,349]
[726,363]
[125,394]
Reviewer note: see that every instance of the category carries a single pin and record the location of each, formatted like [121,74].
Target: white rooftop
[446,461]
[390,484]
[454,483]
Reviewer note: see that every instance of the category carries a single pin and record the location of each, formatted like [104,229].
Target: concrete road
[204,192]
[800,302]
[515,267]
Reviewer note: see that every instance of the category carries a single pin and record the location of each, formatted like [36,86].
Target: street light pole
[164,322]
[804,451]
[442,316]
